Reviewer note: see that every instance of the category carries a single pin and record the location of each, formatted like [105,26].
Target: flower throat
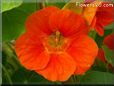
[56,39]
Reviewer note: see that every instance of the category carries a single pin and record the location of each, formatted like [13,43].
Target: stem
[8,48]
[7,74]
[42,4]
[107,67]
[66,5]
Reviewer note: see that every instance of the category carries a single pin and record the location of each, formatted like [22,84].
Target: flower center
[56,39]
[56,42]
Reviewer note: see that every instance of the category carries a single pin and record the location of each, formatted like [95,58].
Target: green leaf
[6,75]
[74,6]
[37,79]
[99,66]
[0,74]
[97,77]
[20,76]
[25,76]
[10,61]
[58,4]
[110,26]
[10,4]
[14,20]
[113,60]
[92,34]
[99,39]
[0,80]
[108,54]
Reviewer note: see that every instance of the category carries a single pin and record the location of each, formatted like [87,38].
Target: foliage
[10,4]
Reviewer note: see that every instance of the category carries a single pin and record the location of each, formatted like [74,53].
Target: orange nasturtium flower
[103,17]
[108,41]
[100,16]
[55,44]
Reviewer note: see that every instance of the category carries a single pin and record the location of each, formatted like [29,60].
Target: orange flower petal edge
[60,67]
[30,52]
[84,50]
[38,21]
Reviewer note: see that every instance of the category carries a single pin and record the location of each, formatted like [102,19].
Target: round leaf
[97,77]
[10,4]
[14,20]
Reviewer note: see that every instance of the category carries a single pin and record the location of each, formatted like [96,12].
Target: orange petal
[109,41]
[90,11]
[60,67]
[84,51]
[30,52]
[105,14]
[38,21]
[68,23]
[99,29]
[93,22]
